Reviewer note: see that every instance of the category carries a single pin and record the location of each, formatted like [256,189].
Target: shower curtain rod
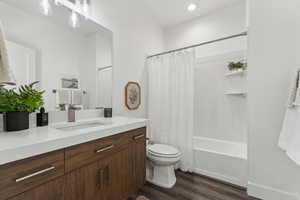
[200,44]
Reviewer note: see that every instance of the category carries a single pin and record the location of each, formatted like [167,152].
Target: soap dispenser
[42,118]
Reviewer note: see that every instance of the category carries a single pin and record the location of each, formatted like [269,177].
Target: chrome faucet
[72,113]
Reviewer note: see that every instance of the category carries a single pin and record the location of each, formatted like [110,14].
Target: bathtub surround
[5,71]
[170,97]
[219,113]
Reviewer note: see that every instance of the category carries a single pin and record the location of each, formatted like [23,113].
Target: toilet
[161,159]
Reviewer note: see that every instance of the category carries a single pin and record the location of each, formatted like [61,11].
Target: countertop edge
[23,152]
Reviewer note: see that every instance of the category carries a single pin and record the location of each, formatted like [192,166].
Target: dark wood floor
[195,187]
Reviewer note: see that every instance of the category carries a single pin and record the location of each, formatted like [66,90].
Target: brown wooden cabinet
[139,161]
[23,175]
[115,176]
[53,190]
[112,168]
[84,183]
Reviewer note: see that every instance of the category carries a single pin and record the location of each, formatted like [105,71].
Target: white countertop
[24,144]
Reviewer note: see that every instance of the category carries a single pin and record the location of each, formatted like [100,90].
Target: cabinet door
[85,183]
[53,190]
[120,178]
[139,161]
[25,175]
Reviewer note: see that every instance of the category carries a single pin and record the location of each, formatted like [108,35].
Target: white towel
[294,98]
[289,139]
[297,99]
[293,148]
[6,74]
[77,96]
[288,128]
[63,97]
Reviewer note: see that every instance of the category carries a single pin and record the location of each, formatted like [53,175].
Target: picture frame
[132,95]
[69,82]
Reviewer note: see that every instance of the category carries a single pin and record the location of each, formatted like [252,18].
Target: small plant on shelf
[235,66]
[16,104]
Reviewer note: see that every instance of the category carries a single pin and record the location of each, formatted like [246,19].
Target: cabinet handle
[105,148]
[35,174]
[107,180]
[104,177]
[101,173]
[138,137]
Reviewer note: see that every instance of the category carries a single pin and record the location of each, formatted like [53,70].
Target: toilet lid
[162,149]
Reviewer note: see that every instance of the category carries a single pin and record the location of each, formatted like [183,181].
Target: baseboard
[268,193]
[221,177]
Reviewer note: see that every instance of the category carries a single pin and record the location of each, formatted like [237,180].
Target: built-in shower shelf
[236,93]
[235,73]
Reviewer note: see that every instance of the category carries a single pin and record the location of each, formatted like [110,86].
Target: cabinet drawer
[83,154]
[23,175]
[137,135]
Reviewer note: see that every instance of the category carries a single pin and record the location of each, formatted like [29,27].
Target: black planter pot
[16,121]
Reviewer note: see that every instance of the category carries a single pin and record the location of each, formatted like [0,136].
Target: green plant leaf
[25,98]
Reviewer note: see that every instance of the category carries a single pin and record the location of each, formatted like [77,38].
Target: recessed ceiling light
[74,20]
[45,7]
[192,7]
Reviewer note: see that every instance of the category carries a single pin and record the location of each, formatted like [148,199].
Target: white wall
[136,35]
[273,56]
[223,22]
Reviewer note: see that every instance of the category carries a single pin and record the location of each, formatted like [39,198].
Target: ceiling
[172,12]
[60,16]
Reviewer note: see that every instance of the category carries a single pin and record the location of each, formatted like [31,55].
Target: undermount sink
[73,126]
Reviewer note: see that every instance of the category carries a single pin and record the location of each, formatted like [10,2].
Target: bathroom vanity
[111,167]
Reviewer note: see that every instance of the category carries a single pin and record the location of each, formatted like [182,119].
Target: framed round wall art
[132,95]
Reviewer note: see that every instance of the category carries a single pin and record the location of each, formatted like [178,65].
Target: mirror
[71,56]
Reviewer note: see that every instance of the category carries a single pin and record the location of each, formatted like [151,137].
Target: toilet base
[163,176]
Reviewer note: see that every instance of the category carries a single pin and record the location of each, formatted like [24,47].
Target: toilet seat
[164,151]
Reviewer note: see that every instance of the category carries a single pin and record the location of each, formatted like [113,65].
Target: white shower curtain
[171,102]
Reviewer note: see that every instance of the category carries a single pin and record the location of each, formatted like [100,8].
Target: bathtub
[219,159]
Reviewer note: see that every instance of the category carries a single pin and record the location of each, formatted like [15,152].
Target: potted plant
[235,66]
[17,104]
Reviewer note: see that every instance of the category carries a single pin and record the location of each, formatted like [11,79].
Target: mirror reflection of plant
[23,99]
[237,65]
